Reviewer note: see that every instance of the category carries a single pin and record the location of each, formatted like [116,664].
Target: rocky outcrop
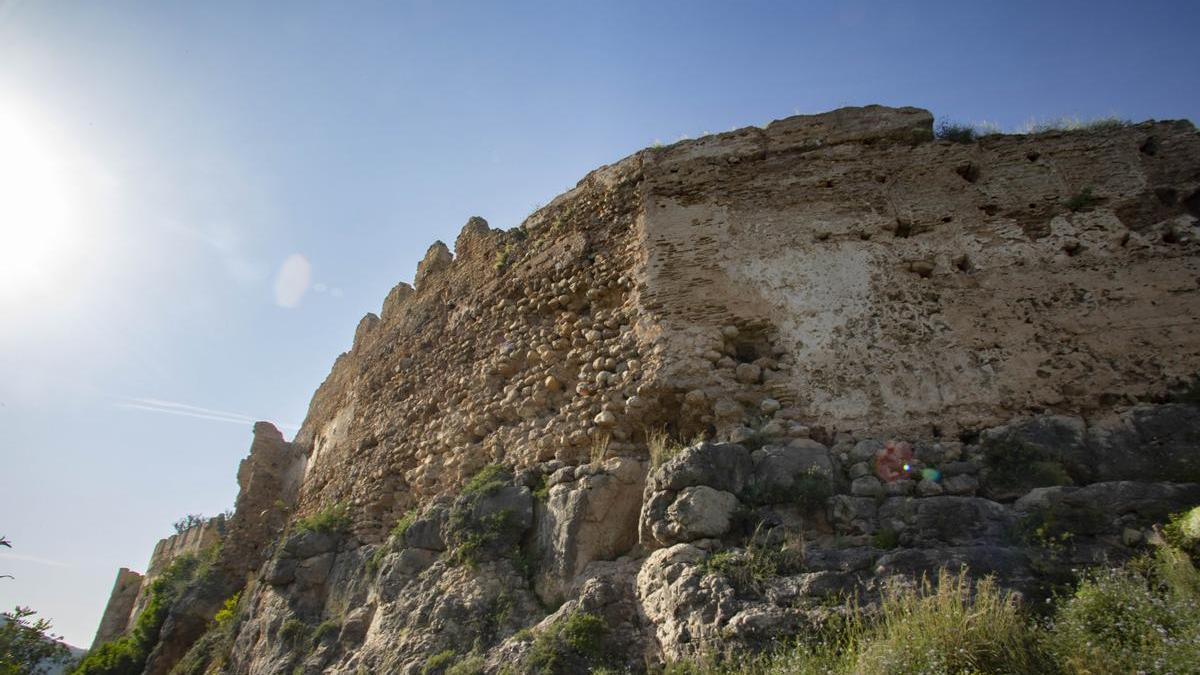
[718,388]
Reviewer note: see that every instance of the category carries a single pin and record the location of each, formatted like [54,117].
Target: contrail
[187,410]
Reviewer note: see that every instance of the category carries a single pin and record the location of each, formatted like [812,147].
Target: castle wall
[923,288]
[115,620]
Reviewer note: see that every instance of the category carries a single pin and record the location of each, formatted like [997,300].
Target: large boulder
[698,512]
[946,521]
[592,518]
[1148,443]
[780,470]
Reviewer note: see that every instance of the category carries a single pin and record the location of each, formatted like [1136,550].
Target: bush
[1183,530]
[486,481]
[438,663]
[576,644]
[473,538]
[325,629]
[1139,618]
[402,525]
[229,611]
[213,648]
[957,133]
[747,571]
[947,627]
[472,665]
[331,519]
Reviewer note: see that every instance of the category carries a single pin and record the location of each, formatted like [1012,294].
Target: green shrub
[749,570]
[1140,618]
[578,643]
[229,611]
[947,627]
[438,663]
[472,665]
[471,538]
[541,490]
[1183,530]
[402,525]
[325,629]
[957,133]
[486,481]
[295,633]
[331,519]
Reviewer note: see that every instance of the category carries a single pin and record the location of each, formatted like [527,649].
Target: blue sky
[160,161]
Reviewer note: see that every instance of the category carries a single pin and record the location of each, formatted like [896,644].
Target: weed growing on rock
[332,519]
[472,665]
[472,540]
[326,629]
[749,570]
[294,632]
[402,525]
[486,481]
[599,450]
[439,662]
[541,489]
[229,611]
[663,447]
[1074,124]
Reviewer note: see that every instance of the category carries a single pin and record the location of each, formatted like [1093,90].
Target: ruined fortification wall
[115,619]
[829,273]
[907,353]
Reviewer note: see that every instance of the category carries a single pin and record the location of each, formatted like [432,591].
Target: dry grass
[663,446]
[599,450]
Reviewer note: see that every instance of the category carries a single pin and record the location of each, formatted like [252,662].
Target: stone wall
[115,619]
[830,273]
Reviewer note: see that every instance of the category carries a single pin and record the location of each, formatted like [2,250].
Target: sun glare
[40,227]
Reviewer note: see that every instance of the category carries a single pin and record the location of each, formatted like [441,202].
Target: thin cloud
[32,559]
[197,412]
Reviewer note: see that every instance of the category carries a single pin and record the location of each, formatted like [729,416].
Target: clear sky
[198,201]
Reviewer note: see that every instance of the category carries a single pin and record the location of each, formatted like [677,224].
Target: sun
[40,217]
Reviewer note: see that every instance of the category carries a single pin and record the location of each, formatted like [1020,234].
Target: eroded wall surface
[924,287]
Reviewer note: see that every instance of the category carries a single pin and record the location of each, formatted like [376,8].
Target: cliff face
[901,352]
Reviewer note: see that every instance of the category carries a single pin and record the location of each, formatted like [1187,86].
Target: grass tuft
[331,519]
